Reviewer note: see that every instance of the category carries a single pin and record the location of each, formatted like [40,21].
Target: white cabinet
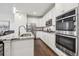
[22,47]
[38,34]
[60,8]
[48,38]
[7,48]
[69,6]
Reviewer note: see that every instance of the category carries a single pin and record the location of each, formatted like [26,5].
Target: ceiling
[31,9]
[34,9]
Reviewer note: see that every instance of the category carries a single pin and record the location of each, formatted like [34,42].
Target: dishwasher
[1,48]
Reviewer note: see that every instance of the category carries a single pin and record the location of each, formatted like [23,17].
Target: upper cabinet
[69,6]
[64,7]
[57,10]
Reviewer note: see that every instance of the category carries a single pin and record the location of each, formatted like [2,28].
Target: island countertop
[13,36]
[14,44]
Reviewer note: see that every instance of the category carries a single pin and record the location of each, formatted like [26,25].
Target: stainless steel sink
[25,35]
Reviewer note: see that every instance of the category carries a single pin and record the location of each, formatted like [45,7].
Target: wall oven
[67,26]
[66,32]
[66,23]
[66,44]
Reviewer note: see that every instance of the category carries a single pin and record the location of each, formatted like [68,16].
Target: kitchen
[23,26]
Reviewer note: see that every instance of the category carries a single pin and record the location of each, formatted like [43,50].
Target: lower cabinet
[23,47]
[19,47]
[48,38]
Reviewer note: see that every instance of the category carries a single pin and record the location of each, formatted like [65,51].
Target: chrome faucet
[19,29]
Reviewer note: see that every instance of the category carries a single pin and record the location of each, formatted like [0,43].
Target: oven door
[68,26]
[66,44]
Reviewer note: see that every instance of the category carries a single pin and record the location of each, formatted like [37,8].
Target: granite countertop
[15,37]
[49,31]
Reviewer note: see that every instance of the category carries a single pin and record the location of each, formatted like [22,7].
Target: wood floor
[40,49]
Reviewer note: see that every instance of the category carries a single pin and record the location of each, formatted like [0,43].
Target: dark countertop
[7,32]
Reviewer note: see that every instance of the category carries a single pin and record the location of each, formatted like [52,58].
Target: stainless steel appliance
[66,23]
[66,44]
[1,48]
[66,32]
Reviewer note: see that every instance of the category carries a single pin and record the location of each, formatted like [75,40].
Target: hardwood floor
[40,49]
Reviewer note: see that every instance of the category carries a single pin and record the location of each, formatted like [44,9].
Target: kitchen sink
[25,35]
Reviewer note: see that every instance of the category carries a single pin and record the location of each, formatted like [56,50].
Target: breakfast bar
[18,46]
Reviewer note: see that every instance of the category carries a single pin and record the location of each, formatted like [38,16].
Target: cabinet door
[69,6]
[64,7]
[51,39]
[59,9]
[23,47]
[47,38]
[44,36]
[38,34]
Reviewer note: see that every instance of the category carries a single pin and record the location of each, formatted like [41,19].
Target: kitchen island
[18,46]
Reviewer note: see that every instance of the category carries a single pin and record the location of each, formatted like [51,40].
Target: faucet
[19,29]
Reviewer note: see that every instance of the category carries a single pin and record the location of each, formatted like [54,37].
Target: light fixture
[14,10]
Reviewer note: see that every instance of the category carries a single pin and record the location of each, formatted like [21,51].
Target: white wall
[6,13]
[16,19]
[35,20]
[7,17]
[19,19]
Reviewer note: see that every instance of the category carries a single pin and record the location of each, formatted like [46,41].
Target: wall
[19,19]
[16,19]
[6,14]
[7,17]
[35,20]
